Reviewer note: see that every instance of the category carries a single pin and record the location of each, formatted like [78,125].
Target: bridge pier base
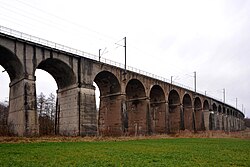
[88,112]
[138,117]
[113,116]
[206,119]
[22,118]
[77,111]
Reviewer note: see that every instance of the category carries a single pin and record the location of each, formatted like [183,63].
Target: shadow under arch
[15,71]
[187,112]
[206,114]
[199,124]
[60,71]
[137,108]
[109,116]
[174,111]
[10,62]
[212,117]
[157,110]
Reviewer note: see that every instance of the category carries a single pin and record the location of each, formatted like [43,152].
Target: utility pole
[125,51]
[224,95]
[171,79]
[99,55]
[195,81]
[236,102]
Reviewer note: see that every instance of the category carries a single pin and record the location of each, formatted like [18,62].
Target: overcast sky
[167,38]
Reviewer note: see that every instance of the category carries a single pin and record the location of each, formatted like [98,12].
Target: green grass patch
[150,152]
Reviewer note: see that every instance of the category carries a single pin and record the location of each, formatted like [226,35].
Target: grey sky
[167,38]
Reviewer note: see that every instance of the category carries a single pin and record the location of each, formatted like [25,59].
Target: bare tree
[5,129]
[46,109]
[41,103]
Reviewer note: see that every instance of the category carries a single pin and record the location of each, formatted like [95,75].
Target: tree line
[46,111]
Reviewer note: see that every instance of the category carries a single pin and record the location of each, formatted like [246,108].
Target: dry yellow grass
[182,134]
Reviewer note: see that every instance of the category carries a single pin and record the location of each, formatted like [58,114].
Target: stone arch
[230,119]
[10,62]
[174,111]
[206,114]
[214,108]
[18,103]
[157,110]
[198,114]
[65,79]
[226,119]
[135,89]
[224,124]
[205,105]
[219,109]
[137,108]
[219,118]
[227,112]
[233,120]
[212,117]
[107,82]
[187,112]
[109,116]
[60,71]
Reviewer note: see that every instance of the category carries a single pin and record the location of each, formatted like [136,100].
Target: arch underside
[157,110]
[137,108]
[110,103]
[10,62]
[174,111]
[60,71]
[187,112]
[199,117]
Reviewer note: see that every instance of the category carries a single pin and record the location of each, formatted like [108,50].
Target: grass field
[148,152]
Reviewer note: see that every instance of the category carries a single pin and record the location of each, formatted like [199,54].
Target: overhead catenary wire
[57,23]
[77,26]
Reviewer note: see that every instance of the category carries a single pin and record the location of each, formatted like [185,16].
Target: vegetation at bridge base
[148,152]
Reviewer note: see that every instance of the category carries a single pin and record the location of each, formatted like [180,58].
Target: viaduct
[130,103]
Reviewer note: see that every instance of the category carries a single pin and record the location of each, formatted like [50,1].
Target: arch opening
[54,115]
[174,111]
[199,120]
[46,100]
[219,109]
[137,108]
[60,71]
[109,110]
[212,117]
[205,105]
[4,102]
[214,108]
[226,120]
[157,110]
[11,70]
[206,114]
[187,112]
[10,62]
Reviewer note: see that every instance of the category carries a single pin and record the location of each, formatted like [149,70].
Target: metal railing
[61,47]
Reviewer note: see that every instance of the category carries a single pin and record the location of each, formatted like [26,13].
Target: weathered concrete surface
[130,103]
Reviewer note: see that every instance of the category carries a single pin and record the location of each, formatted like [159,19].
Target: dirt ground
[182,134]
